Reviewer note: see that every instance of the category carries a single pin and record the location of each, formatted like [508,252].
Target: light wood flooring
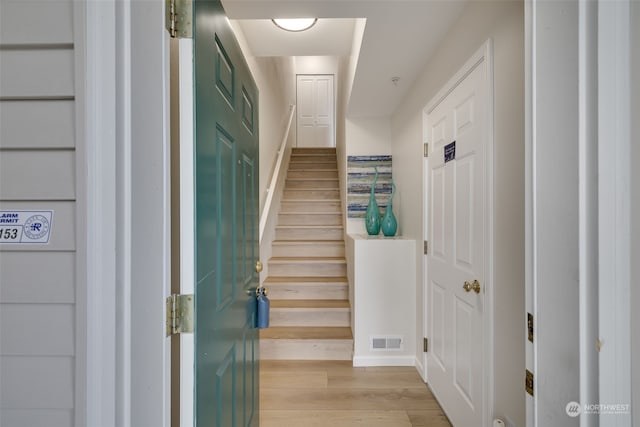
[335,394]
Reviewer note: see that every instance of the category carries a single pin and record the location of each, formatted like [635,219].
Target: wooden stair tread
[310,303]
[312,189]
[315,170]
[317,201]
[308,242]
[306,333]
[313,179]
[306,279]
[324,259]
[310,226]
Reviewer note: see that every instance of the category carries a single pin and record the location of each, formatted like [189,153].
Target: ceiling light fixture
[295,25]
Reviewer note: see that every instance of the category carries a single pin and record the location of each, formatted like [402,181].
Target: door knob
[258,267]
[475,286]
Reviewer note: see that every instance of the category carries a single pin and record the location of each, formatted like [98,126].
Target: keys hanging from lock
[263,308]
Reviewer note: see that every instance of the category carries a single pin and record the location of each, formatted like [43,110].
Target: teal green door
[226,204]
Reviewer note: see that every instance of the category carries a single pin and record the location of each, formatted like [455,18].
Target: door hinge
[179,18]
[426,247]
[528,382]
[426,149]
[425,345]
[180,314]
[530,326]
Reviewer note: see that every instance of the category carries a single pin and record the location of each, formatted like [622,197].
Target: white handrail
[276,173]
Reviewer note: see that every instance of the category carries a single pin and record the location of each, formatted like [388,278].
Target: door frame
[126,126]
[603,155]
[484,53]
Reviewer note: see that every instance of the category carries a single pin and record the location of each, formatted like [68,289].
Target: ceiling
[399,38]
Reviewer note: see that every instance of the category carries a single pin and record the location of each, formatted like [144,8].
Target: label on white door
[25,226]
[450,152]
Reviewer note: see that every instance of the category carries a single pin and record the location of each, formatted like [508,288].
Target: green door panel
[226,248]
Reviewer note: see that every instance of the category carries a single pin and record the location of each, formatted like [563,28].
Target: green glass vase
[389,222]
[372,217]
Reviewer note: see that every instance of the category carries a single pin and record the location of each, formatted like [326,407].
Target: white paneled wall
[38,284]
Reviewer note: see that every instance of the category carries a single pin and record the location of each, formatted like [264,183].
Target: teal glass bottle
[389,222]
[372,218]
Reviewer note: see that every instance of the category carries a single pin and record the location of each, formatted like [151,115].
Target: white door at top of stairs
[315,107]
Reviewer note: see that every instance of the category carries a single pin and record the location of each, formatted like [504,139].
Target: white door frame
[187,224]
[601,307]
[614,172]
[485,53]
[128,214]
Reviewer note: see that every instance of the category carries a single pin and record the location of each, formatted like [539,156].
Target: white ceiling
[399,38]
[329,37]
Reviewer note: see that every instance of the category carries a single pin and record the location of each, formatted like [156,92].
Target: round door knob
[466,287]
[258,267]
[475,286]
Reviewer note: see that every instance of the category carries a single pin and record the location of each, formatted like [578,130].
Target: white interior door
[315,108]
[457,131]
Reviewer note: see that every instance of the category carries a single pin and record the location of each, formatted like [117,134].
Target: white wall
[316,65]
[504,23]
[367,136]
[346,74]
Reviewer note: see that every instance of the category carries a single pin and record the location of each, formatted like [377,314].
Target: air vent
[394,343]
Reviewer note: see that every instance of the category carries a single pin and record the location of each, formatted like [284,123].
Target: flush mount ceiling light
[295,25]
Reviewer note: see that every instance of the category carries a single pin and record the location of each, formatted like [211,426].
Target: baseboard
[361,361]
[421,369]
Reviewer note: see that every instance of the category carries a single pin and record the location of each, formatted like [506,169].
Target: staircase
[307,283]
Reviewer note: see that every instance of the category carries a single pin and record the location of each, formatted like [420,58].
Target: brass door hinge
[425,345]
[530,326]
[179,18]
[528,382]
[180,314]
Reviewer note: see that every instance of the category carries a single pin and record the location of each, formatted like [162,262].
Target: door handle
[258,267]
[475,286]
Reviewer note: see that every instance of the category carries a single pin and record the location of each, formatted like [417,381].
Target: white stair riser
[311,165]
[310,317]
[286,349]
[305,249]
[311,218]
[292,184]
[310,207]
[292,291]
[285,233]
[323,158]
[317,150]
[313,194]
[308,270]
[312,174]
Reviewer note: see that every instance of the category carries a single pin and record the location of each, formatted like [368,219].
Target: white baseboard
[421,369]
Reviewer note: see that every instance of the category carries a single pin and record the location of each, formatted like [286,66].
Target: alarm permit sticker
[25,227]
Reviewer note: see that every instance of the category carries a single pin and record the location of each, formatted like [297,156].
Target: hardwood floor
[335,394]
